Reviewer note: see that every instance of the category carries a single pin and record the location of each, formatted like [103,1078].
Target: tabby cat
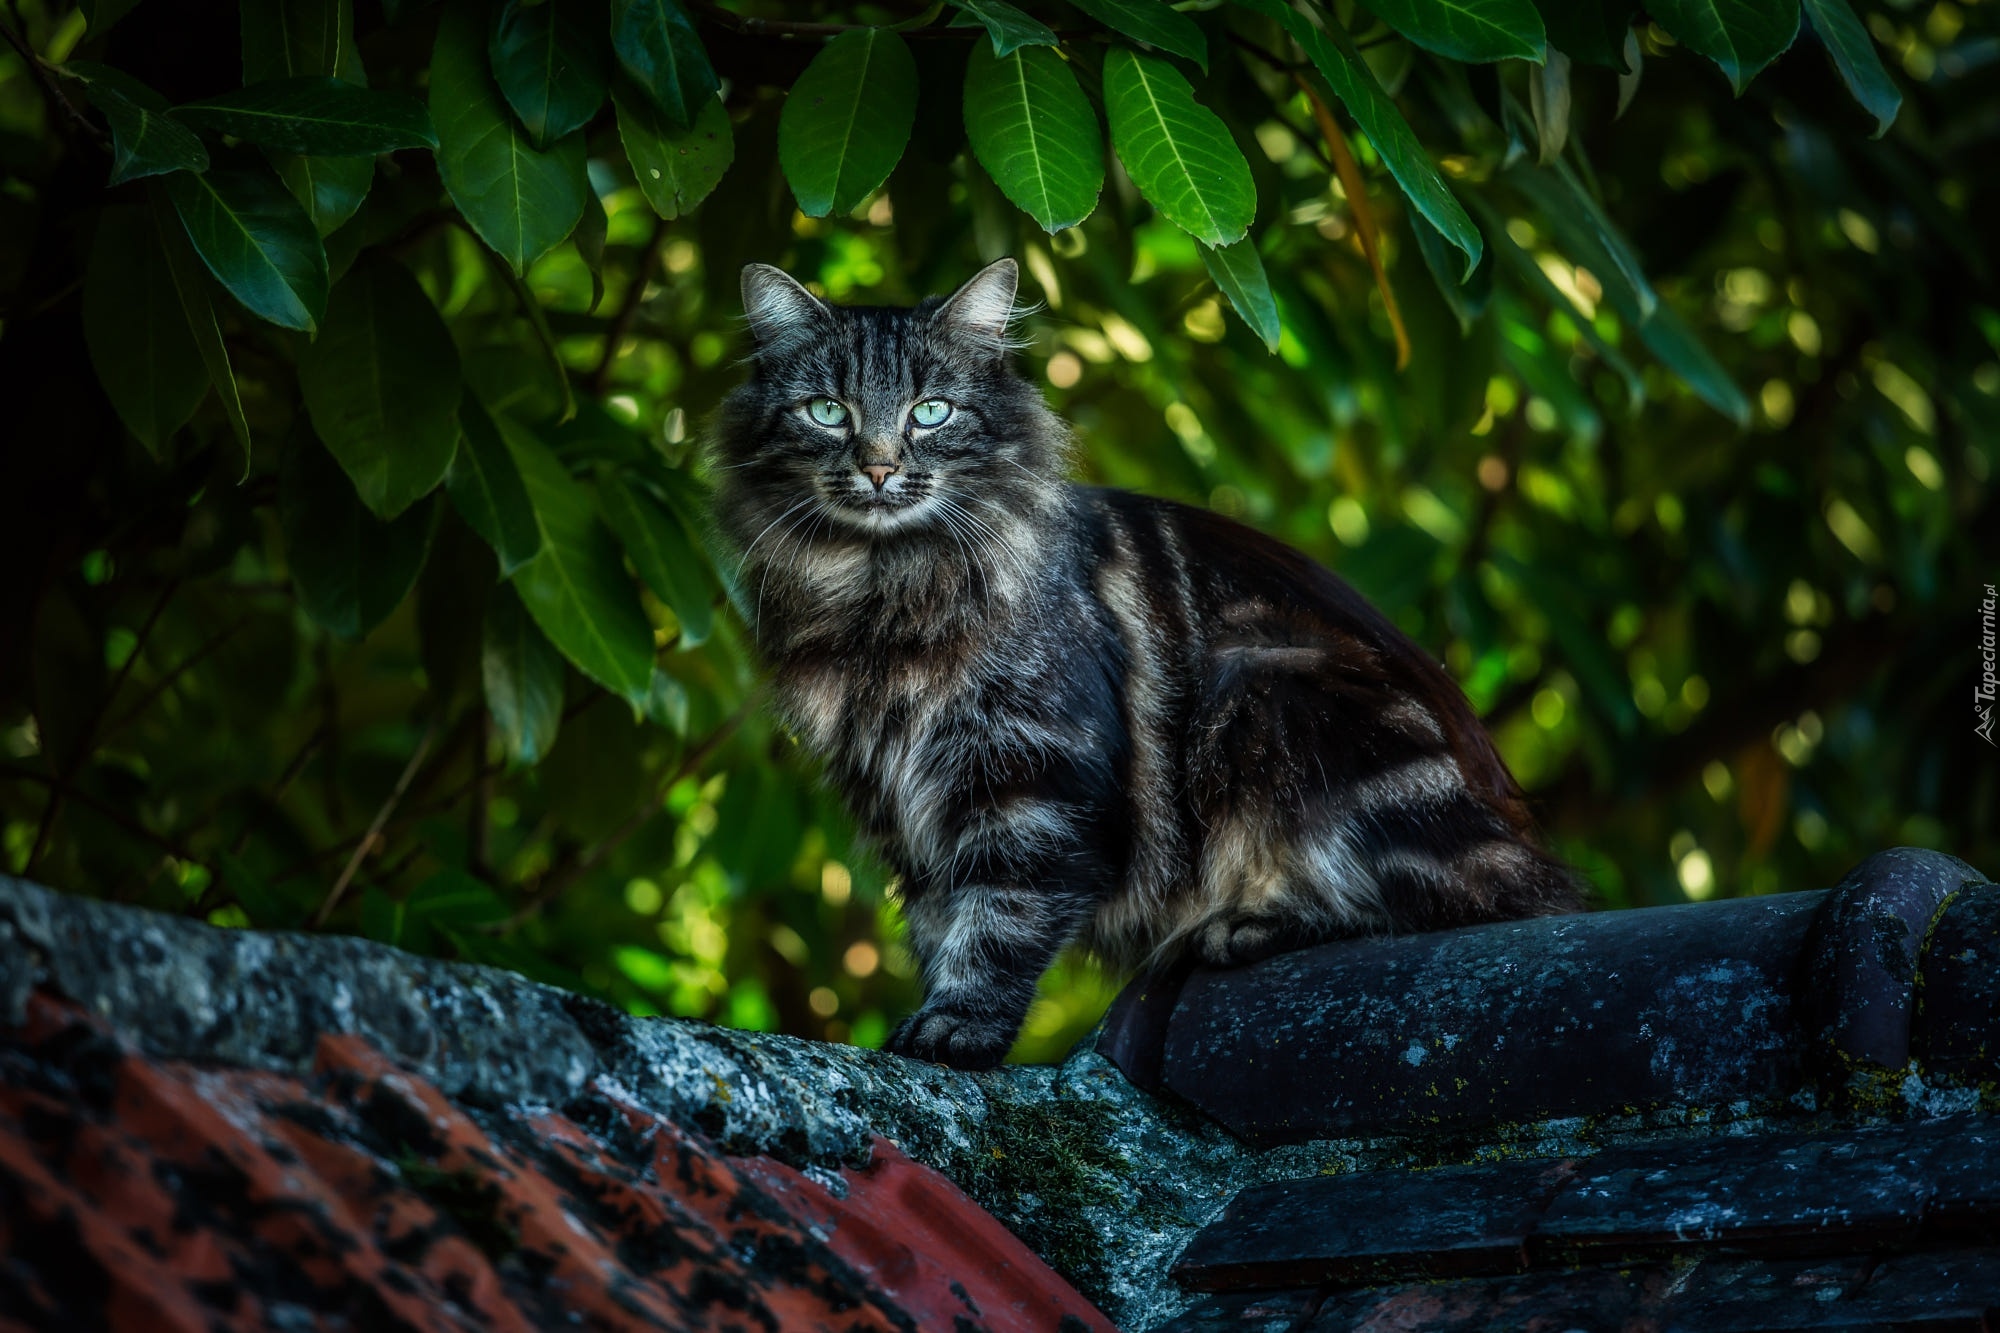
[1073,714]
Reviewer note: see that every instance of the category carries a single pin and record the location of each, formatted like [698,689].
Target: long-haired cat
[1074,714]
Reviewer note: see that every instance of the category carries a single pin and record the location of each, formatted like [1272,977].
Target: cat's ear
[778,308]
[980,311]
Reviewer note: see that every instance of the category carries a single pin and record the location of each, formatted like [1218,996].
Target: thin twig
[375,827]
[1364,214]
[628,309]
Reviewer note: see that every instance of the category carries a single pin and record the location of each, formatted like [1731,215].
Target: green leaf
[327,116]
[656,43]
[293,39]
[257,241]
[452,898]
[1476,31]
[1524,266]
[145,140]
[184,268]
[523,674]
[1010,28]
[1586,231]
[349,569]
[137,333]
[381,384]
[592,232]
[303,39]
[1467,296]
[549,67]
[1239,271]
[661,551]
[1034,132]
[523,203]
[330,189]
[676,168]
[1740,36]
[1177,151]
[576,589]
[1669,338]
[1348,75]
[487,489]
[1854,55]
[1548,99]
[1154,22]
[846,120]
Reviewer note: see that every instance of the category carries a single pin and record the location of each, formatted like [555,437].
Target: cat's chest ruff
[851,712]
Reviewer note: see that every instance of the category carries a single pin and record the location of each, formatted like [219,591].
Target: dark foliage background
[353,363]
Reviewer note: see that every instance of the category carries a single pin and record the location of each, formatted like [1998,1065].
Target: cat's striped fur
[1071,714]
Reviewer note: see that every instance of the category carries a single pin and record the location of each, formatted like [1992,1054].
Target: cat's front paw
[948,1037]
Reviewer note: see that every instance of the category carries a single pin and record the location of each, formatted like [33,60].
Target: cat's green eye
[827,411]
[931,412]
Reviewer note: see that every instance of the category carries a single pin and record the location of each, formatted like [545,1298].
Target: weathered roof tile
[138,1193]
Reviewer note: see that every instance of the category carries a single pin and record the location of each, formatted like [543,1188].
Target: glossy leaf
[1239,271]
[1586,231]
[293,39]
[1532,276]
[523,675]
[1469,30]
[1668,337]
[487,490]
[1740,36]
[316,115]
[1009,27]
[300,39]
[657,45]
[847,119]
[1350,79]
[1154,22]
[576,589]
[521,201]
[1467,295]
[1854,55]
[593,232]
[661,551]
[138,335]
[349,569]
[381,383]
[145,140]
[1034,132]
[257,241]
[184,268]
[1177,151]
[550,67]
[1548,99]
[1628,82]
[676,169]
[330,189]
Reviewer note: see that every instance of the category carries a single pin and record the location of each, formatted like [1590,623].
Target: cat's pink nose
[879,473]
